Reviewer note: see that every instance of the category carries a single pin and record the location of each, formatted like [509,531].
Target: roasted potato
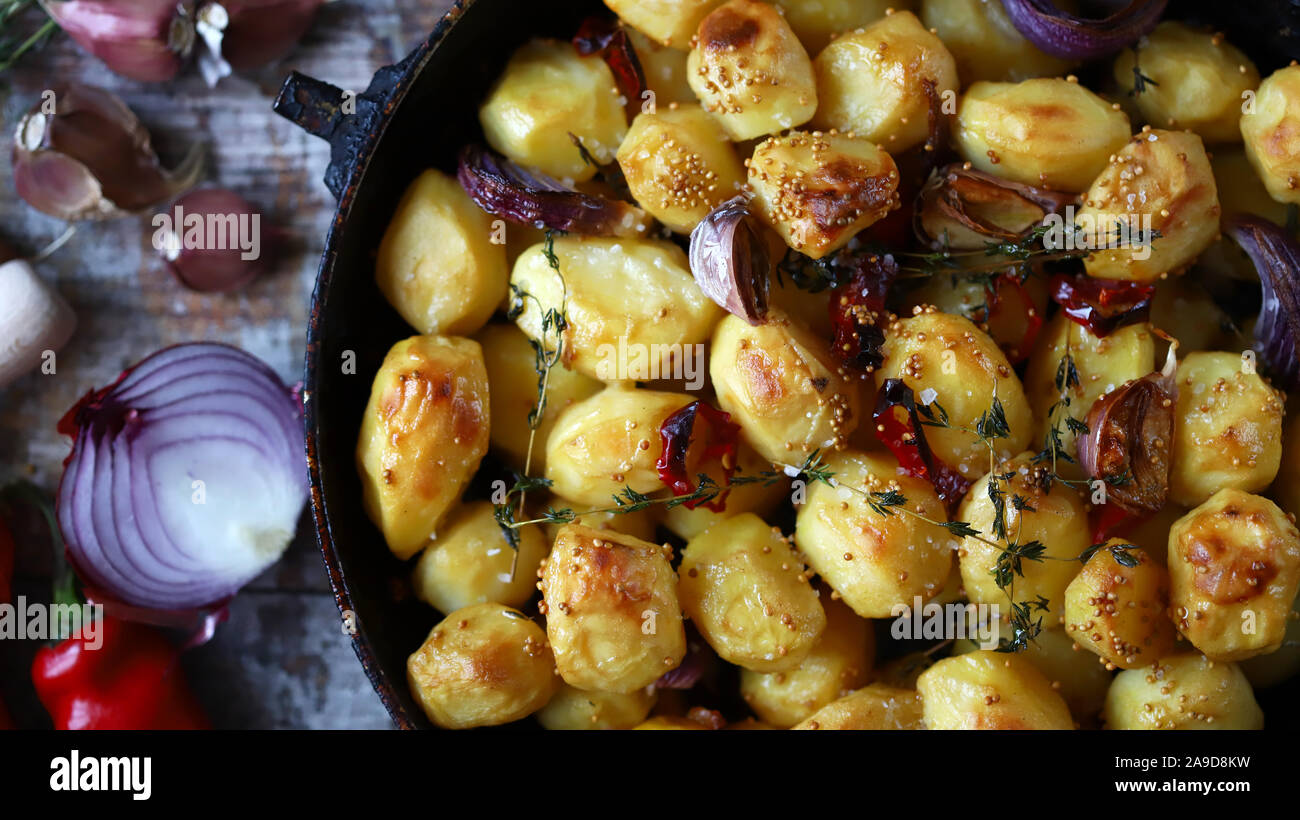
[746,592]
[1234,569]
[611,610]
[750,70]
[472,563]
[1161,181]
[1103,364]
[985,44]
[483,665]
[437,264]
[874,562]
[1198,80]
[1056,519]
[778,382]
[757,497]
[512,372]
[990,690]
[1185,310]
[1277,667]
[1004,309]
[1286,486]
[1118,611]
[573,709]
[1227,428]
[424,432]
[1271,132]
[638,524]
[665,72]
[634,310]
[547,92]
[819,190]
[871,82]
[669,22]
[1075,674]
[839,663]
[1183,692]
[609,441]
[1048,132]
[818,22]
[875,707]
[679,164]
[963,367]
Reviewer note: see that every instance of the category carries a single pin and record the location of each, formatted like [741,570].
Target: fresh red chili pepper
[676,433]
[132,681]
[599,35]
[905,438]
[1109,521]
[857,312]
[1018,352]
[1101,305]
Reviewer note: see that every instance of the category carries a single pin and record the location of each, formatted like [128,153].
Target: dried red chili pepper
[132,681]
[857,313]
[600,35]
[676,435]
[906,440]
[1101,305]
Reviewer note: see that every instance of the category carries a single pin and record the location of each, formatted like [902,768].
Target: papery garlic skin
[143,40]
[34,320]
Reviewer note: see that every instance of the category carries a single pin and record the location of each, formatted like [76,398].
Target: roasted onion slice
[1277,259]
[1078,38]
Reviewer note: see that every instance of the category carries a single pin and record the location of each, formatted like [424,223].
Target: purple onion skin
[213,269]
[1076,38]
[143,40]
[1277,259]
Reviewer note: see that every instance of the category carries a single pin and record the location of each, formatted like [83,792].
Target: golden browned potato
[750,71]
[483,665]
[1160,181]
[1075,674]
[817,22]
[573,709]
[757,497]
[1103,363]
[1056,519]
[819,190]
[873,708]
[985,44]
[472,563]
[1004,313]
[422,437]
[964,368]
[744,588]
[1183,692]
[1186,311]
[1152,534]
[634,310]
[546,92]
[1234,569]
[1199,80]
[1046,131]
[679,164]
[1271,131]
[990,690]
[638,524]
[437,264]
[1286,487]
[1118,611]
[780,385]
[609,441]
[512,372]
[1227,428]
[839,663]
[1276,667]
[668,22]
[870,82]
[665,72]
[611,610]
[670,723]
[874,562]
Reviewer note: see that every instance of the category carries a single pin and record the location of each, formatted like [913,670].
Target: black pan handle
[343,119]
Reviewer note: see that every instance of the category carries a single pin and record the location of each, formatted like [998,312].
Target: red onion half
[1277,259]
[186,478]
[1077,38]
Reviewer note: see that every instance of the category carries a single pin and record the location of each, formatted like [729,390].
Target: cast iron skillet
[416,114]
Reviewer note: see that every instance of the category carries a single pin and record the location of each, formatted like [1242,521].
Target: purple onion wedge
[1277,260]
[1078,38]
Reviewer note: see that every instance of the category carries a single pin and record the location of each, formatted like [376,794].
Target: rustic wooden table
[282,660]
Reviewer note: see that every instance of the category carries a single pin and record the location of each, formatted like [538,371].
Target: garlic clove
[144,40]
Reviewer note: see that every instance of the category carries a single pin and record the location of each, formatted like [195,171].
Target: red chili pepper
[132,681]
[1109,521]
[906,440]
[1100,305]
[676,433]
[857,312]
[599,35]
[1018,352]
